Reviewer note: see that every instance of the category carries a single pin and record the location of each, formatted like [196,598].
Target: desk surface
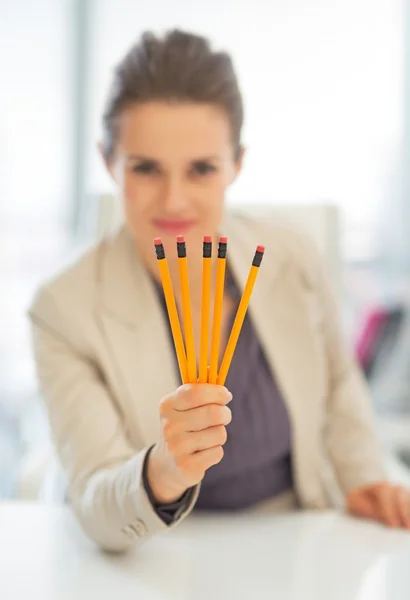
[301,556]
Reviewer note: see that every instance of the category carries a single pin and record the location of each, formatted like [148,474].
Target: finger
[362,504]
[386,501]
[203,417]
[195,419]
[403,504]
[190,396]
[193,467]
[197,441]
[207,458]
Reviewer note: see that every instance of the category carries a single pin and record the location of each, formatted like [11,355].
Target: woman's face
[172,164]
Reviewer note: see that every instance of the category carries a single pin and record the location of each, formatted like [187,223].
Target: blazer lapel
[283,314]
[281,311]
[137,336]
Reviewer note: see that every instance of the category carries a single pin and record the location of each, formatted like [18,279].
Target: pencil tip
[260,249]
[180,239]
[207,239]
[157,242]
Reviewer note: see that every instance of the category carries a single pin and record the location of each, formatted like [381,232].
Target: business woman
[140,450]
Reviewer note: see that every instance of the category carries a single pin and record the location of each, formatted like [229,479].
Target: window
[35,162]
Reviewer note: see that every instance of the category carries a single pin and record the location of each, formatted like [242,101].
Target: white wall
[322,83]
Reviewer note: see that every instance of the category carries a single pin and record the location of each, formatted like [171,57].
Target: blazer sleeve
[104,472]
[351,438]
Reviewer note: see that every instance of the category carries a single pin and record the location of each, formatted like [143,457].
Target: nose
[175,198]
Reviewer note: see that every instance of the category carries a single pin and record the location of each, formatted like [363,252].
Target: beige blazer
[105,360]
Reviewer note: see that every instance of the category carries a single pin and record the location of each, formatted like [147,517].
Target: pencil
[205,308]
[172,309]
[186,309]
[240,315]
[218,303]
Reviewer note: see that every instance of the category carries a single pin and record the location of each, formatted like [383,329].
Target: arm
[350,434]
[170,511]
[104,471]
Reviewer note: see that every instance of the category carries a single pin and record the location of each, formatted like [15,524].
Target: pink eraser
[180,239]
[157,242]
[223,240]
[207,239]
[260,249]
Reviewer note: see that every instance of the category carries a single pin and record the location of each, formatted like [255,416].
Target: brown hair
[177,67]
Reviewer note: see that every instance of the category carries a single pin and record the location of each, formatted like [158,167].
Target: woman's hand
[382,502]
[193,421]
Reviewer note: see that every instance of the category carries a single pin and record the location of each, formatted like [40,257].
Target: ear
[107,162]
[238,163]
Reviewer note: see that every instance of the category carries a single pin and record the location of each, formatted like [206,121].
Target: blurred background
[326,85]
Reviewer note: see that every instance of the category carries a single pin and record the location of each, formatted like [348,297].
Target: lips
[174,226]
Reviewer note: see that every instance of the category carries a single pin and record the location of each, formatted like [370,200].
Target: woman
[140,451]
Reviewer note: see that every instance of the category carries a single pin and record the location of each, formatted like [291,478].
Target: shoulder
[71,294]
[286,242]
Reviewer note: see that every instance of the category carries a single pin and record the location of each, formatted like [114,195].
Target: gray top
[257,455]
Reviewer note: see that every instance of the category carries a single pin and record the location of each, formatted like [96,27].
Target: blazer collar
[128,290]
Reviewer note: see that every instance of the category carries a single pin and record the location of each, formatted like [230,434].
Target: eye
[146,168]
[202,168]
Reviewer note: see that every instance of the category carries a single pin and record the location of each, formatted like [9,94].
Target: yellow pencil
[172,309]
[186,309]
[240,315]
[205,308]
[218,303]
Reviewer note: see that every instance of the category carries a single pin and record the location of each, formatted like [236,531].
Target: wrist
[164,488]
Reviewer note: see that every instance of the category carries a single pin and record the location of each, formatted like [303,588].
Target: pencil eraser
[260,249]
[180,239]
[207,239]
[157,241]
[223,240]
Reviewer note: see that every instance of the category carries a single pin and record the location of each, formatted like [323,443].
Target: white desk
[324,556]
